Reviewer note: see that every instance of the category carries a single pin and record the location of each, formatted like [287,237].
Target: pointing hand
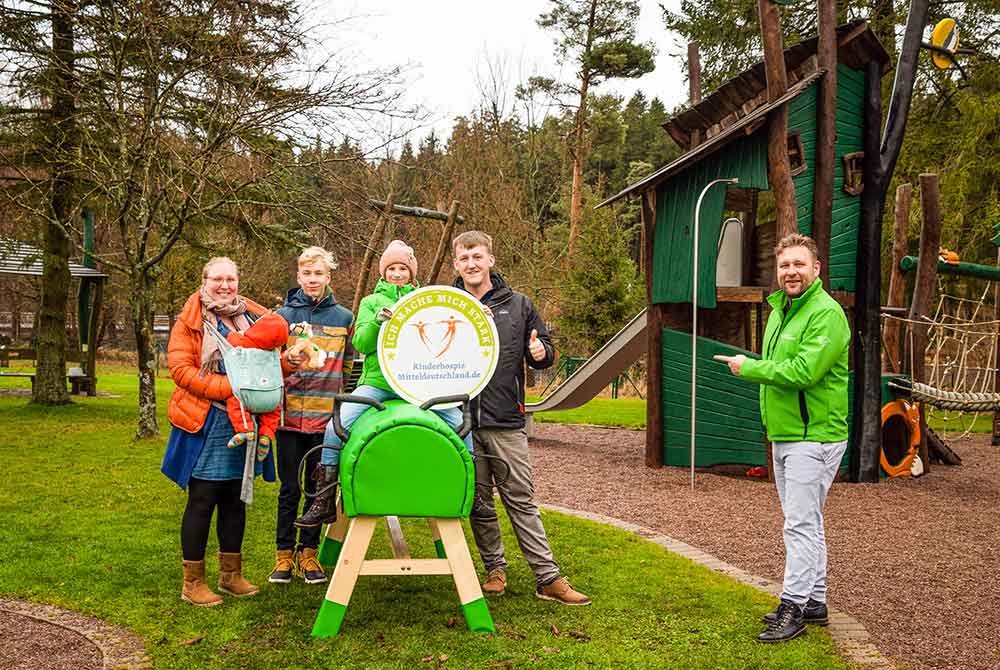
[734,362]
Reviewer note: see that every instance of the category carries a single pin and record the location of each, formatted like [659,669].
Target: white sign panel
[438,342]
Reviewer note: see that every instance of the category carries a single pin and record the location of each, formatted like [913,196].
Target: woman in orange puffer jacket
[197,456]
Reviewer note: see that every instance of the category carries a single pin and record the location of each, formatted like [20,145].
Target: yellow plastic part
[944,35]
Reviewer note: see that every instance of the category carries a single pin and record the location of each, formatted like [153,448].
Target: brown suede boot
[195,590]
[496,582]
[231,578]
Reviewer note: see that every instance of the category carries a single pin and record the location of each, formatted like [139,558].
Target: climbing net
[961,361]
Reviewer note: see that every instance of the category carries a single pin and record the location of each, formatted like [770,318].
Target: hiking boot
[561,591]
[787,625]
[284,567]
[324,506]
[309,567]
[496,582]
[195,590]
[231,579]
[813,612]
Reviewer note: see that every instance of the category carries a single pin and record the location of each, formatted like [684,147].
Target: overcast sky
[447,44]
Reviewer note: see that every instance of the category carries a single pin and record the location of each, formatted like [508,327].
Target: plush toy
[305,346]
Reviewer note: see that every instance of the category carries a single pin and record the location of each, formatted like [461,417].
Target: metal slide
[611,360]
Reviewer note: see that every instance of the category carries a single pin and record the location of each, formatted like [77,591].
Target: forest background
[193,129]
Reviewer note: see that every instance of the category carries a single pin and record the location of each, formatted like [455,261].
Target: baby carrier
[255,377]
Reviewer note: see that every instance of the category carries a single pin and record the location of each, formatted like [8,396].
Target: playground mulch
[913,559]
[27,643]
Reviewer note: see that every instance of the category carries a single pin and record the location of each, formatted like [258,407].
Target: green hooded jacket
[803,372]
[366,328]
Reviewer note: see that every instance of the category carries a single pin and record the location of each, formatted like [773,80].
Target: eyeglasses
[222,280]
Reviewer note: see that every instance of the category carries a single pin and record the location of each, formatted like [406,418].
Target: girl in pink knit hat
[398,270]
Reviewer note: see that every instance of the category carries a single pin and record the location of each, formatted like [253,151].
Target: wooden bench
[79,383]
[8,354]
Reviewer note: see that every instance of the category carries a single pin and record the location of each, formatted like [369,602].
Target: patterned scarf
[210,311]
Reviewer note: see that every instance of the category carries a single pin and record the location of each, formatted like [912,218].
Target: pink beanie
[398,252]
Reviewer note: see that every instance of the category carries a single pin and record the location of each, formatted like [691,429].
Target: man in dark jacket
[308,406]
[498,422]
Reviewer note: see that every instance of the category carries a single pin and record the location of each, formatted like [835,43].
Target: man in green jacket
[803,404]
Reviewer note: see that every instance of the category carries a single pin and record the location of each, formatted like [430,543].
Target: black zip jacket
[501,404]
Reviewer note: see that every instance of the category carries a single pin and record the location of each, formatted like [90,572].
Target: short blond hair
[470,239]
[797,240]
[317,254]
[214,260]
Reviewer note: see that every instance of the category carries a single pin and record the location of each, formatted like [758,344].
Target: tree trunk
[779,174]
[50,377]
[923,291]
[891,355]
[141,304]
[826,119]
[576,196]
[579,150]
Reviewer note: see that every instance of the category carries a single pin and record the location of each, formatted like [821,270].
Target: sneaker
[788,625]
[814,612]
[561,591]
[309,567]
[496,582]
[284,567]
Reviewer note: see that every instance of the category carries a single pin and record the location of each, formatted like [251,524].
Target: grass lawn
[91,525]
[621,413]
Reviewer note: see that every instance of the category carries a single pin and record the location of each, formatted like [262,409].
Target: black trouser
[204,497]
[292,446]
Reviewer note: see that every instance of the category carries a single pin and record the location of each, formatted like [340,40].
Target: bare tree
[198,115]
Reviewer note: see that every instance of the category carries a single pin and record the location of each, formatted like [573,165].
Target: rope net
[960,363]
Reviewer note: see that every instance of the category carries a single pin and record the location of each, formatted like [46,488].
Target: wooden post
[654,339]
[779,173]
[443,245]
[923,291]
[996,360]
[694,85]
[826,121]
[867,424]
[897,282]
[93,336]
[373,244]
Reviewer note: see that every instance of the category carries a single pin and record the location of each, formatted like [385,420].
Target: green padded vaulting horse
[401,460]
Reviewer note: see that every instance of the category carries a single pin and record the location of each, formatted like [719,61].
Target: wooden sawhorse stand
[346,544]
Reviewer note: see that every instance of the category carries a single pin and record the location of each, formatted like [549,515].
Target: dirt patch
[42,637]
[912,559]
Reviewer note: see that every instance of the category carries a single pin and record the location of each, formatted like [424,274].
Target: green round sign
[438,342]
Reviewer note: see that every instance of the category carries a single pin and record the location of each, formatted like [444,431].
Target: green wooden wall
[846,207]
[676,198]
[746,158]
[728,419]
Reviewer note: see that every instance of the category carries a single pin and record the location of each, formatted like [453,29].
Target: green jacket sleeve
[366,327]
[822,343]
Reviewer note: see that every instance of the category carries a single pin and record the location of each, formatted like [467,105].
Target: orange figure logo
[446,340]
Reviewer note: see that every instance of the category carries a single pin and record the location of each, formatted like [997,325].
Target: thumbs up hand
[535,346]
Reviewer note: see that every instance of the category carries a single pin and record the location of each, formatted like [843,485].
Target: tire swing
[900,437]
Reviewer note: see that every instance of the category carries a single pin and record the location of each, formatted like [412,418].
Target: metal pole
[694,312]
